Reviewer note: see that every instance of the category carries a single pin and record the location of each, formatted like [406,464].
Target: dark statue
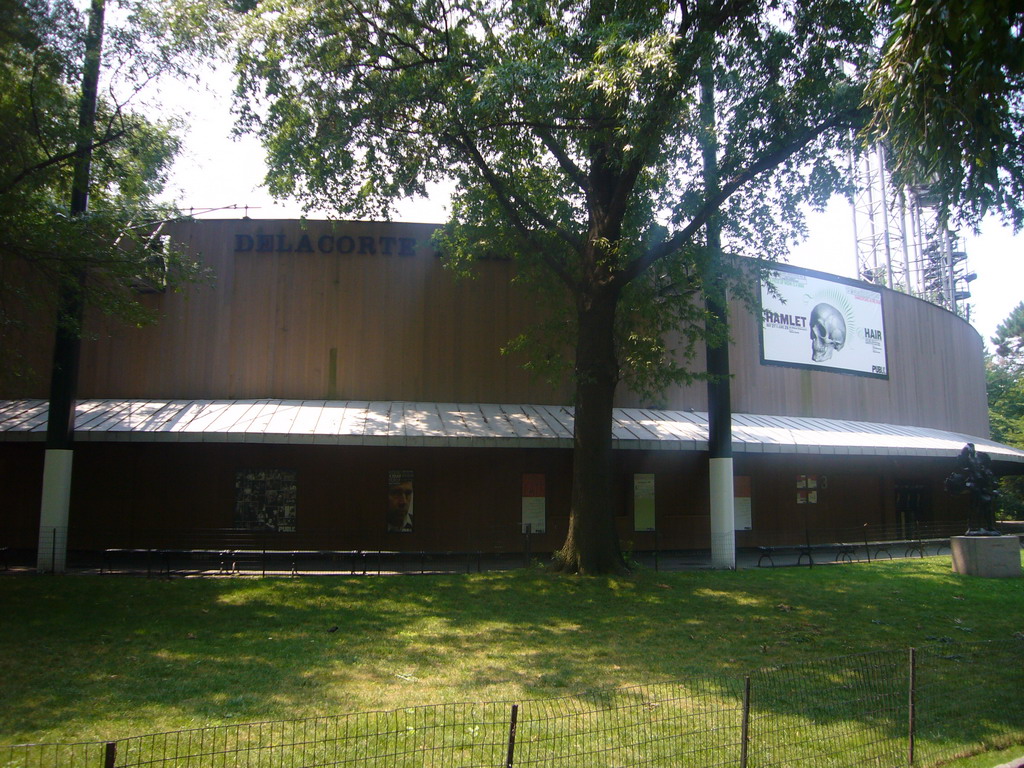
[974,475]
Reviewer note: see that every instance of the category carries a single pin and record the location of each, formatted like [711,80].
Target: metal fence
[892,708]
[217,551]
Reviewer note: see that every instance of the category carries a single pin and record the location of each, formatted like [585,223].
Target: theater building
[335,387]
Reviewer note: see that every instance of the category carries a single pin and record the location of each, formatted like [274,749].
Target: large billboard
[818,321]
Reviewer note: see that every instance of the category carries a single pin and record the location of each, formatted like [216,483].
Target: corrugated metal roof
[471,425]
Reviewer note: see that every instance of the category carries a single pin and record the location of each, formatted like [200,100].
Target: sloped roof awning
[471,425]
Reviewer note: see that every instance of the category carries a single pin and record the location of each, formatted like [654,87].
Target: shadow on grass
[85,658]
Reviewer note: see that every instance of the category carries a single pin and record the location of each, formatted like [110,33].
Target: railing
[229,550]
[892,708]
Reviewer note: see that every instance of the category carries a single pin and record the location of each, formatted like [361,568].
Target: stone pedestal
[987,556]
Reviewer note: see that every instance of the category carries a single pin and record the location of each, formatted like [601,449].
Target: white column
[53,514]
[723,515]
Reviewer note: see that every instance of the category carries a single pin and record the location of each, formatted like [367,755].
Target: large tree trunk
[592,544]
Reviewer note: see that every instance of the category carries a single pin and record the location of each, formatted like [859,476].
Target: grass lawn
[988,759]
[104,657]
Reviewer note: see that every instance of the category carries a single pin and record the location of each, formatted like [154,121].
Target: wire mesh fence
[968,695]
[442,735]
[667,724]
[889,708]
[835,712]
[83,755]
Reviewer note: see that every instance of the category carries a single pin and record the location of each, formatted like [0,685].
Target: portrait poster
[265,499]
[742,519]
[643,502]
[534,509]
[400,501]
[819,321]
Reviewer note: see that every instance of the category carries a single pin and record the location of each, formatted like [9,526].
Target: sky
[223,175]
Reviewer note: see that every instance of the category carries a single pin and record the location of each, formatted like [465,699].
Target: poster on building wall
[807,489]
[400,498]
[265,499]
[534,511]
[742,517]
[818,321]
[643,502]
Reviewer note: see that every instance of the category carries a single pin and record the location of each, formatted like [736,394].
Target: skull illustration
[828,332]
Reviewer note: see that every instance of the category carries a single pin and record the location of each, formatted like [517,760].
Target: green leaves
[1009,337]
[947,101]
[1004,378]
[41,245]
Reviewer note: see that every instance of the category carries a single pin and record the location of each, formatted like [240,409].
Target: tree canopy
[1004,376]
[948,97]
[1009,336]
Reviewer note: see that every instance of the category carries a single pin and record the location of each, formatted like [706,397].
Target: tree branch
[565,162]
[772,158]
[514,205]
[687,55]
[58,159]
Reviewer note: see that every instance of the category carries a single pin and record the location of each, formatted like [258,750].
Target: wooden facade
[152,495]
[354,311]
[366,311]
[305,310]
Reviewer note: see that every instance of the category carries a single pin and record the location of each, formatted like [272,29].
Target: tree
[948,98]
[42,246]
[1009,338]
[572,132]
[1004,377]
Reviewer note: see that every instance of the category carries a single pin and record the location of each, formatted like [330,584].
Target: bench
[841,552]
[148,555]
[165,561]
[910,547]
[846,551]
[379,560]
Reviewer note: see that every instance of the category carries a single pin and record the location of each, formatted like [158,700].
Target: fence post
[911,706]
[745,723]
[110,756]
[510,755]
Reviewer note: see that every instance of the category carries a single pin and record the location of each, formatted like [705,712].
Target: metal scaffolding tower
[901,240]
